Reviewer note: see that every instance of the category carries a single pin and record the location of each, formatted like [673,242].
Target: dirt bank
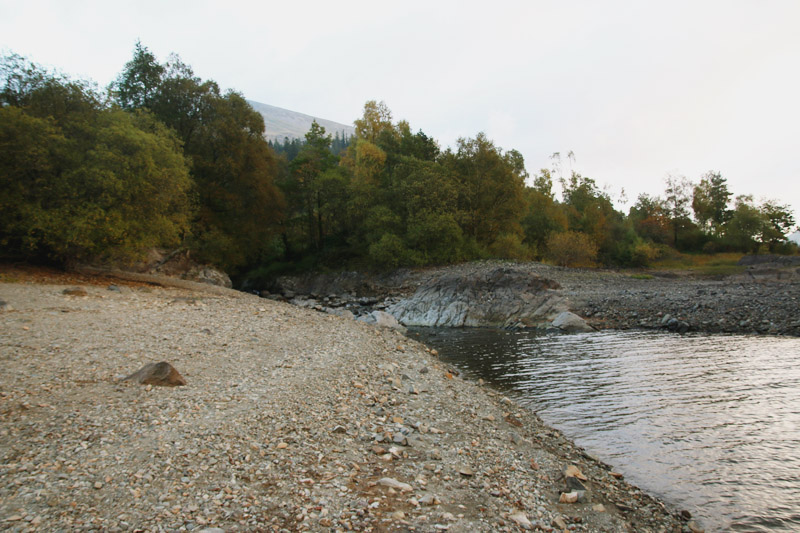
[291,420]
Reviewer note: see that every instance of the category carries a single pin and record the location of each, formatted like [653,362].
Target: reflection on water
[708,423]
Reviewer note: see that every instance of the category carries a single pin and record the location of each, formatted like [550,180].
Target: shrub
[510,246]
[644,253]
[389,251]
[571,249]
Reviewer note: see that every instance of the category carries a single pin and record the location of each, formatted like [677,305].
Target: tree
[650,220]
[302,187]
[233,167]
[491,189]
[676,204]
[138,84]
[377,119]
[544,216]
[778,223]
[82,182]
[710,202]
[745,226]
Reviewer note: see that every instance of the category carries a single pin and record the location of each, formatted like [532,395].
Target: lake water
[710,424]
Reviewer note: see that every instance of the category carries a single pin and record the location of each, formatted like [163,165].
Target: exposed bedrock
[500,297]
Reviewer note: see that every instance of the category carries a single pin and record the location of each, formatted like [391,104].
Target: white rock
[521,520]
[394,484]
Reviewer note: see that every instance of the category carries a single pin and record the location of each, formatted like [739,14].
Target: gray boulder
[571,323]
[502,296]
[382,319]
[210,275]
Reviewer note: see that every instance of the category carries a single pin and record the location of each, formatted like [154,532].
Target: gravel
[291,420]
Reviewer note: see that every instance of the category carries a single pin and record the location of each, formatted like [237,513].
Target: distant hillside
[795,237]
[281,123]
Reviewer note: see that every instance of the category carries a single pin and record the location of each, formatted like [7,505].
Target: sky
[637,90]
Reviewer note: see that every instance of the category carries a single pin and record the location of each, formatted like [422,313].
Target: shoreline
[291,420]
[758,301]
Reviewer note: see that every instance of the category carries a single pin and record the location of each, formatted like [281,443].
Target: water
[710,424]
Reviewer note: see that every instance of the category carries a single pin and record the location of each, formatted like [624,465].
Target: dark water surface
[707,423]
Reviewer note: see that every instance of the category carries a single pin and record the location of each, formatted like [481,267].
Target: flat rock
[75,291]
[161,374]
[394,484]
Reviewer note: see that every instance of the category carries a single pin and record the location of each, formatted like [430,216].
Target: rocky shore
[763,299]
[290,420]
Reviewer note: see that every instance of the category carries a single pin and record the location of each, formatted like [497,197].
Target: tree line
[162,158]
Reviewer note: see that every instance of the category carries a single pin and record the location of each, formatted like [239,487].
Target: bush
[710,247]
[644,253]
[389,252]
[510,246]
[113,191]
[571,249]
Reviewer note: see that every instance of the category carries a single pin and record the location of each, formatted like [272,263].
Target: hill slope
[282,123]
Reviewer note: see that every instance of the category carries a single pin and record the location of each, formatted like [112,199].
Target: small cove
[708,423]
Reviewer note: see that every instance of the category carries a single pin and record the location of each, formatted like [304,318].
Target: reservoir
[707,423]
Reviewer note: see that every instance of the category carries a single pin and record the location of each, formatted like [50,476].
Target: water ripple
[709,423]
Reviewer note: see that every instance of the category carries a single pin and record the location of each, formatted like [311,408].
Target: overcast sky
[637,89]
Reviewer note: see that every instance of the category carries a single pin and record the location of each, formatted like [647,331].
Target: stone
[571,323]
[574,484]
[382,319]
[559,523]
[394,484]
[599,508]
[75,291]
[428,500]
[466,471]
[5,306]
[568,497]
[161,374]
[113,288]
[573,471]
[695,528]
[521,520]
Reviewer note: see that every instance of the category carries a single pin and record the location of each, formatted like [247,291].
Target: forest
[162,158]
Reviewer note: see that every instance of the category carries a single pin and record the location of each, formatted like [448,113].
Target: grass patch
[706,265]
[639,275]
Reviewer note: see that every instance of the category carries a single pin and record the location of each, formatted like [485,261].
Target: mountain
[282,123]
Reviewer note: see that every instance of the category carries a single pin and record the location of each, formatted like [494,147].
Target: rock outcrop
[179,264]
[503,297]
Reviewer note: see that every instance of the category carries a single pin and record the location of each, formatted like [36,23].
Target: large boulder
[179,264]
[382,319]
[571,323]
[501,296]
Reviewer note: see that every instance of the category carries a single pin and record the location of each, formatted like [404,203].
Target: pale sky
[636,89]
